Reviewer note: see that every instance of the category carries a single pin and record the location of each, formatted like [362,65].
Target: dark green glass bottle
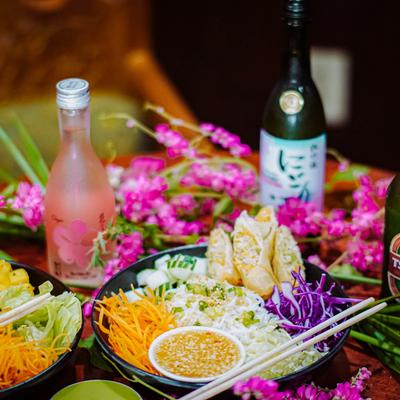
[391,237]
[293,138]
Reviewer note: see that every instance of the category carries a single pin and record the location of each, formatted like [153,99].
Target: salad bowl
[124,279]
[36,278]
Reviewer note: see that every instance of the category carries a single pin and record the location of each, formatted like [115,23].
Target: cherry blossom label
[292,168]
[394,266]
[74,243]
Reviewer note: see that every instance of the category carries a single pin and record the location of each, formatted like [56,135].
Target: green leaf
[347,273]
[345,269]
[9,189]
[19,158]
[87,343]
[224,206]
[5,256]
[351,174]
[31,152]
[96,358]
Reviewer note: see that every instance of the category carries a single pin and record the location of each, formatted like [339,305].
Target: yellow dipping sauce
[197,354]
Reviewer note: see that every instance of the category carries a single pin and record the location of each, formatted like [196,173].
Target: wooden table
[383,385]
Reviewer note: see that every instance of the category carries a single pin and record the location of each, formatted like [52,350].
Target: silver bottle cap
[72,94]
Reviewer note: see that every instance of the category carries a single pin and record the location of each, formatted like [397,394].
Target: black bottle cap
[296,12]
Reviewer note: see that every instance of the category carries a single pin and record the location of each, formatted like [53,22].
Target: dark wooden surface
[383,384]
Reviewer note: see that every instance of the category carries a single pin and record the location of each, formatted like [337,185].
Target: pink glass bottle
[79,201]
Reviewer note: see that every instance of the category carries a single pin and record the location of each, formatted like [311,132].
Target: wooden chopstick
[24,309]
[285,350]
[343,314]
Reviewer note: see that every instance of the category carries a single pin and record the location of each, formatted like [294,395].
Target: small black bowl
[36,278]
[125,278]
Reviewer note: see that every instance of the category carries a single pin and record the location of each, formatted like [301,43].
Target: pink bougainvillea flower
[226,140]
[300,217]
[176,144]
[129,249]
[141,196]
[364,256]
[146,165]
[184,203]
[381,187]
[74,243]
[3,201]
[229,178]
[30,201]
[315,259]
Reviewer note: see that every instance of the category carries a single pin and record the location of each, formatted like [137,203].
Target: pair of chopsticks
[24,309]
[285,350]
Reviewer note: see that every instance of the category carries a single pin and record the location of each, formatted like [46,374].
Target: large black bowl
[125,278]
[37,277]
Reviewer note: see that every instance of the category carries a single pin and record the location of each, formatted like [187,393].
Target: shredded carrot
[21,359]
[132,327]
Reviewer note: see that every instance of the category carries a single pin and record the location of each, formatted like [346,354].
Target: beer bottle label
[292,168]
[393,274]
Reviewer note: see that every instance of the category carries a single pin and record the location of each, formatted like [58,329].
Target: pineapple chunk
[18,276]
[3,287]
[5,267]
[4,279]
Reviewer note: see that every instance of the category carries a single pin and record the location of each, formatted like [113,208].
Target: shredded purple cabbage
[305,305]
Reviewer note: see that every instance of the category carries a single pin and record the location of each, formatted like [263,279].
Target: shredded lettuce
[60,318]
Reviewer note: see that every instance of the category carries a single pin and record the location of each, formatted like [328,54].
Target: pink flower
[202,240]
[316,260]
[311,392]
[184,203]
[175,143]
[364,255]
[381,187]
[29,199]
[229,178]
[207,206]
[226,140]
[141,196]
[74,243]
[144,165]
[3,201]
[343,166]
[300,217]
[129,249]
[258,388]
[359,381]
[345,391]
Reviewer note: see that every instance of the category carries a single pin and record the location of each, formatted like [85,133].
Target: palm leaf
[19,158]
[31,151]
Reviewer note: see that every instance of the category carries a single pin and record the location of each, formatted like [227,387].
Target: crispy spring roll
[250,256]
[219,254]
[287,256]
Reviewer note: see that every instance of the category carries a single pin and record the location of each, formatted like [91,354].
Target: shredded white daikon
[239,311]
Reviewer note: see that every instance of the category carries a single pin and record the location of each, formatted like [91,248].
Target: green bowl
[97,389]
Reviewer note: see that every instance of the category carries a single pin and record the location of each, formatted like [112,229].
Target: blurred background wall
[215,60]
[224,56]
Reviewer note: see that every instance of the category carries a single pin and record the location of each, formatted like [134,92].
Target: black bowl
[37,277]
[125,278]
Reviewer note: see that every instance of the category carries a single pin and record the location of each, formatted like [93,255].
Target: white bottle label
[292,168]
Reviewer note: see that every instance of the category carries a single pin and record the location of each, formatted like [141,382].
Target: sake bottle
[293,133]
[391,237]
[79,201]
